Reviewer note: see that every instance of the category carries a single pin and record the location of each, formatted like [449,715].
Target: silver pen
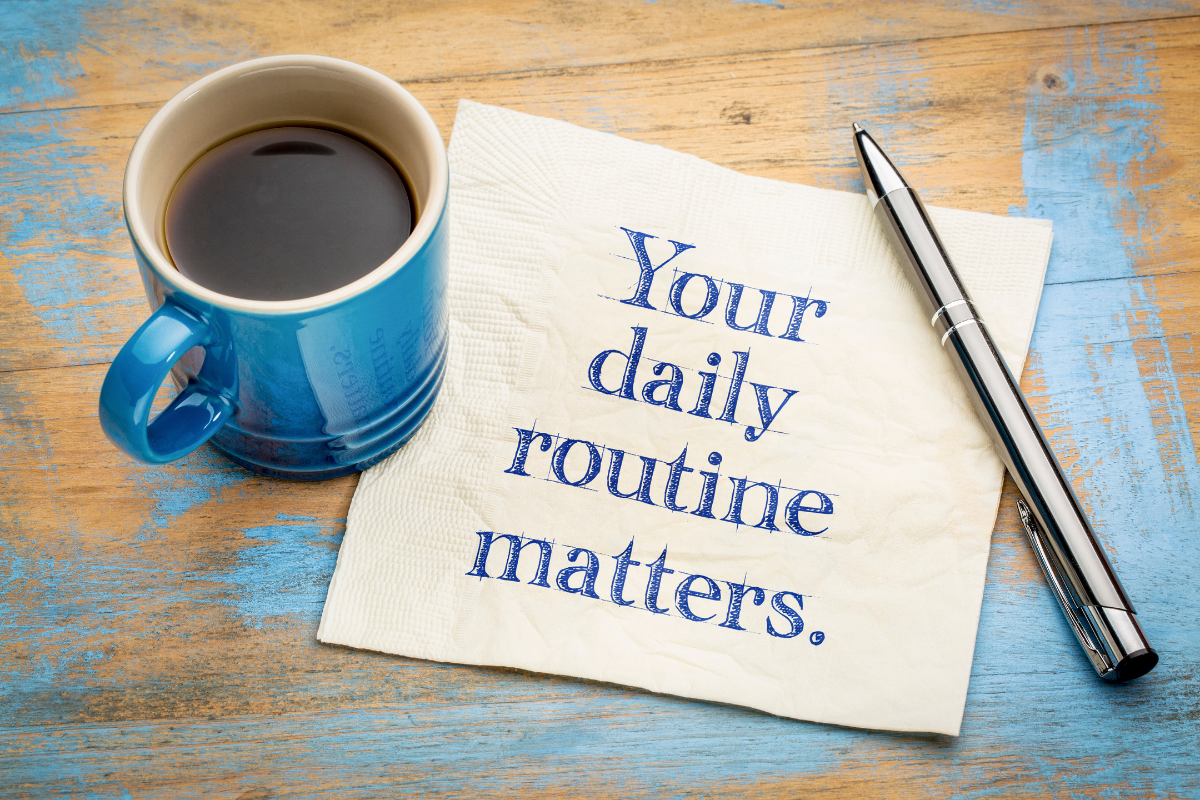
[1080,576]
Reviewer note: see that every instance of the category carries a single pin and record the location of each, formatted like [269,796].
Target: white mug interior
[270,92]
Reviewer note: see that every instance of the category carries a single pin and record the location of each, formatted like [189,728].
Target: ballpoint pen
[1080,576]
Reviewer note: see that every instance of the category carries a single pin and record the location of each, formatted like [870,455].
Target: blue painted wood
[157,623]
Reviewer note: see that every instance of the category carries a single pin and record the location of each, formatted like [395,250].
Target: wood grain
[157,623]
[147,51]
[947,108]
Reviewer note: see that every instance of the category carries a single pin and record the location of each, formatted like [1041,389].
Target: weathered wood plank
[192,591]
[93,52]
[955,113]
[156,623]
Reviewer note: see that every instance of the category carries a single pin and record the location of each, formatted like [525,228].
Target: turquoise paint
[22,436]
[53,227]
[301,518]
[1032,8]
[548,729]
[771,3]
[54,222]
[1178,453]
[177,492]
[889,102]
[81,604]
[39,41]
[1080,161]
[1084,148]
[77,603]
[61,638]
[284,570]
[1032,696]
[71,604]
[177,488]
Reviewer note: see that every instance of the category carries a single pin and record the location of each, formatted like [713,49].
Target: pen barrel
[1096,606]
[1034,468]
[1099,612]
[924,259]
[999,403]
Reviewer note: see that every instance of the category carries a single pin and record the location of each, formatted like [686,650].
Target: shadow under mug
[304,389]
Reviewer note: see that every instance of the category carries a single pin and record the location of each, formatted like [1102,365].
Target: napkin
[695,436]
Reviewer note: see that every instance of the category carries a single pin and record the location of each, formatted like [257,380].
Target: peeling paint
[285,570]
[69,600]
[883,105]
[61,225]
[39,50]
[55,229]
[1116,416]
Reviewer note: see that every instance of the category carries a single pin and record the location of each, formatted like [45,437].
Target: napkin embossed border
[694,437]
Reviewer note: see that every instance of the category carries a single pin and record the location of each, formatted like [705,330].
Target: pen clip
[1072,611]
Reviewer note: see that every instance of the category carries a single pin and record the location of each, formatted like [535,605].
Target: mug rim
[169,274]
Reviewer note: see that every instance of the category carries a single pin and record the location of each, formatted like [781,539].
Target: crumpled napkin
[695,436]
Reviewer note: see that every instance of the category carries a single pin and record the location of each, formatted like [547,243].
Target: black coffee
[285,213]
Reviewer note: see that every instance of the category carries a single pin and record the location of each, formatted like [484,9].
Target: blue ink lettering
[708,490]
[631,364]
[792,616]
[791,514]
[764,310]
[735,386]
[647,271]
[674,385]
[712,290]
[764,409]
[515,546]
[684,594]
[799,306]
[624,561]
[524,439]
[657,569]
[587,587]
[673,477]
[710,295]
[558,462]
[642,493]
[707,381]
[734,614]
[735,504]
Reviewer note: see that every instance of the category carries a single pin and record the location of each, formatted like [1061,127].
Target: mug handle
[138,371]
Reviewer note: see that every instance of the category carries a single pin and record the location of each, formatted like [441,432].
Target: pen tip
[857,128]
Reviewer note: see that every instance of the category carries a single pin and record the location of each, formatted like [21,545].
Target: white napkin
[845,585]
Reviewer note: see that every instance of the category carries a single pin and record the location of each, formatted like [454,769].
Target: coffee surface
[286,213]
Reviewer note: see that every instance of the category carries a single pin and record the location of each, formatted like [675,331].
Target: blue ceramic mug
[304,389]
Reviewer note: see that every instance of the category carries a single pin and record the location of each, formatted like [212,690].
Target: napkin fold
[695,436]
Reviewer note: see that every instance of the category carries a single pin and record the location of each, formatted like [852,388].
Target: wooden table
[157,623]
